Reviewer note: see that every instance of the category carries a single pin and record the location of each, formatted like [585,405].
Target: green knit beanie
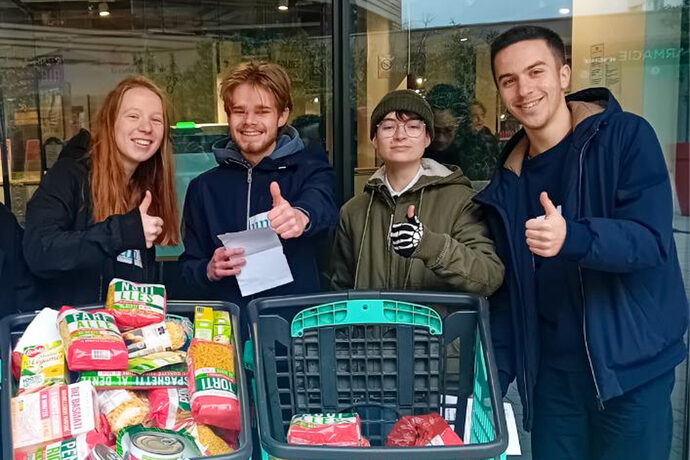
[404,100]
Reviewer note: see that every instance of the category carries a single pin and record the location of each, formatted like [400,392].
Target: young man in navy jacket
[265,176]
[591,317]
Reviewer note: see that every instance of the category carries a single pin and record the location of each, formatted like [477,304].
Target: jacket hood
[433,173]
[288,143]
[77,148]
[585,106]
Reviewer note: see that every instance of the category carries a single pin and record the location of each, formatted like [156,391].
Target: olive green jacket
[455,253]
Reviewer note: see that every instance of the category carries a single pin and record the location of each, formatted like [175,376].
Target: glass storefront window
[441,48]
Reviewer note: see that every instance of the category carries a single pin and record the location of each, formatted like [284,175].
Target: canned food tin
[151,445]
[101,452]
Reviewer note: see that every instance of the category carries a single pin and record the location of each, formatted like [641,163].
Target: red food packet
[92,340]
[169,408]
[135,305]
[212,385]
[342,430]
[422,430]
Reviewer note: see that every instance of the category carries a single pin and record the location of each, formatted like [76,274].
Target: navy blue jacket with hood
[223,199]
[618,207]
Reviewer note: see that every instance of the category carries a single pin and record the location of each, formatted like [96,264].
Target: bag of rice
[92,340]
[170,408]
[122,408]
[136,305]
[212,384]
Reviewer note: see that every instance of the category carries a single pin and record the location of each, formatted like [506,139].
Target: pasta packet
[136,305]
[170,408]
[93,341]
[122,408]
[156,361]
[212,384]
[208,442]
[164,336]
[171,378]
[42,366]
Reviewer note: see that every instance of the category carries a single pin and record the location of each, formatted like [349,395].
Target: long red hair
[110,192]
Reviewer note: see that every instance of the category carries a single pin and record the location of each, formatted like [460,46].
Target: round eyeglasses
[413,128]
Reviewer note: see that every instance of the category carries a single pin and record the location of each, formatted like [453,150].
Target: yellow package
[42,366]
[203,323]
[222,328]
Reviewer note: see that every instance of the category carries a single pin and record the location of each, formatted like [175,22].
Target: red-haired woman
[107,201]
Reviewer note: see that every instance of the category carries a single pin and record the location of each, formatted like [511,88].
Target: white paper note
[266,265]
[513,439]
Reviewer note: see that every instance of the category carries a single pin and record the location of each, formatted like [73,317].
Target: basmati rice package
[212,384]
[122,408]
[92,340]
[136,305]
[170,408]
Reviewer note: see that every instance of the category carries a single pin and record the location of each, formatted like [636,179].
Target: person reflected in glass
[107,201]
[444,147]
[480,149]
[415,226]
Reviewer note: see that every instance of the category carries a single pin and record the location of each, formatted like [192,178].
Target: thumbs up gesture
[546,234]
[288,222]
[406,236]
[152,225]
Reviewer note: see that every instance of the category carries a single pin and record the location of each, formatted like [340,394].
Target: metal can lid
[158,443]
[102,452]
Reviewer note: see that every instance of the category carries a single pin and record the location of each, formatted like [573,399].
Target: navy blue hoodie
[618,207]
[223,199]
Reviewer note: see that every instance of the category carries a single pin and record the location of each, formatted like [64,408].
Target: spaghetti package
[136,305]
[93,341]
[169,408]
[122,408]
[212,384]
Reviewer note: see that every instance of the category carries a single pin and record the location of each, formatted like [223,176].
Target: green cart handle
[368,311]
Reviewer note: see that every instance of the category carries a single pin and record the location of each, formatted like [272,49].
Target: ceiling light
[283,5]
[103,10]
[464,39]
[420,80]
[316,100]
[564,10]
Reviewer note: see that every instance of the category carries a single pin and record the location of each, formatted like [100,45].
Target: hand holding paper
[288,222]
[224,263]
[265,265]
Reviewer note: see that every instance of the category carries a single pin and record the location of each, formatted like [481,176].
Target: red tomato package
[342,430]
[212,384]
[135,305]
[92,340]
[422,430]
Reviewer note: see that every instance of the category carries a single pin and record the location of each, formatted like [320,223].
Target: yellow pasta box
[222,328]
[203,323]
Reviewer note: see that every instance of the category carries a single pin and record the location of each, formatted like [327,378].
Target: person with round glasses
[415,226]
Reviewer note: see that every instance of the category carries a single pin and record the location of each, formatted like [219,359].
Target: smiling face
[139,127]
[531,83]
[400,149]
[254,121]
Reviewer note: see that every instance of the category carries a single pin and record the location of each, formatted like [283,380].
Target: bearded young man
[593,312]
[265,176]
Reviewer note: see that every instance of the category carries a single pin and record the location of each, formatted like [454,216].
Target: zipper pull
[249,175]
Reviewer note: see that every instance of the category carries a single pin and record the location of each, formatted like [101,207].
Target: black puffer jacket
[17,286]
[76,257]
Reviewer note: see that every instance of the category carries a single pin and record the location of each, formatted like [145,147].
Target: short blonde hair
[266,75]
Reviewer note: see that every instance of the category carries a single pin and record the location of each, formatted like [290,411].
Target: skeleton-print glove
[406,236]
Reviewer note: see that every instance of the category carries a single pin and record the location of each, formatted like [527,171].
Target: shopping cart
[381,355]
[13,326]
